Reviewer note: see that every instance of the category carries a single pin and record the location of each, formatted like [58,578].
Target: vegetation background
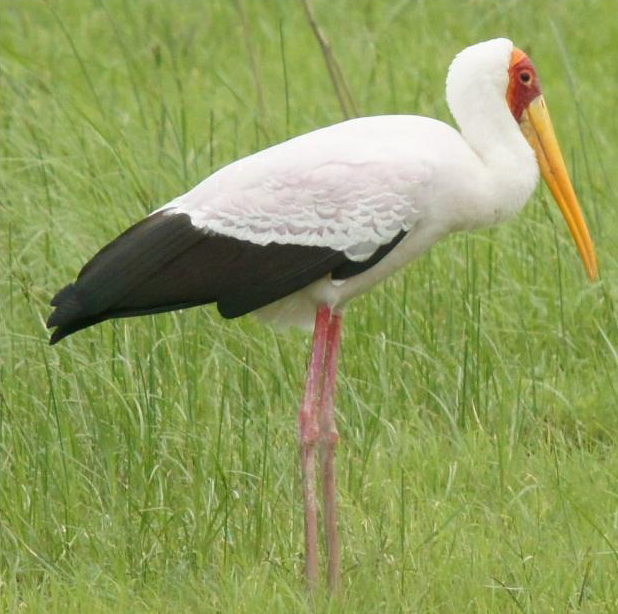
[151,465]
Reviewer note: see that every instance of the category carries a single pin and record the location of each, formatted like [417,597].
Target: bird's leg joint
[329,435]
[309,430]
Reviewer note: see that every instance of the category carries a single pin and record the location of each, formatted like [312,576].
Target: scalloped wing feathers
[351,187]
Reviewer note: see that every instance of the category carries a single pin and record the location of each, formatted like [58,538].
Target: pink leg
[328,442]
[309,429]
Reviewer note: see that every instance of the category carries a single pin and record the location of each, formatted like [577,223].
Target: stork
[294,232]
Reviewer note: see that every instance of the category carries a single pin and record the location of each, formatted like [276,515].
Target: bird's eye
[525,76]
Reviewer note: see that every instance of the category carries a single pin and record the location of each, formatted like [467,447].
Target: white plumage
[356,185]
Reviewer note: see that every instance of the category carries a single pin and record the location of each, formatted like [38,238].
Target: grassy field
[150,465]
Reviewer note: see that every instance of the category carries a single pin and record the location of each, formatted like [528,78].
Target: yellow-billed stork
[295,231]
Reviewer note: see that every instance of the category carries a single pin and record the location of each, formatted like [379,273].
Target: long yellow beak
[538,129]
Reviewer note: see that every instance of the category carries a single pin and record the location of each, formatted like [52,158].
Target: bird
[293,232]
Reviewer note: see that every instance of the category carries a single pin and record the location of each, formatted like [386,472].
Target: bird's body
[295,231]
[354,187]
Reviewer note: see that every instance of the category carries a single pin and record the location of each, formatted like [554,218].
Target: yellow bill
[538,129]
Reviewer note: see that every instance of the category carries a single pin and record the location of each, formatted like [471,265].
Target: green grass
[151,465]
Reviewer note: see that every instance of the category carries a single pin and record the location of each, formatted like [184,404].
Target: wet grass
[150,465]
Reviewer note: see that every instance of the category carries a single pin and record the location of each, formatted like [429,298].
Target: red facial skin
[524,85]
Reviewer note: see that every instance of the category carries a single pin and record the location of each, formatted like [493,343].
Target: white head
[482,69]
[476,86]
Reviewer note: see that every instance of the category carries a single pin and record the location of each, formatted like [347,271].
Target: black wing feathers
[165,263]
[274,271]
